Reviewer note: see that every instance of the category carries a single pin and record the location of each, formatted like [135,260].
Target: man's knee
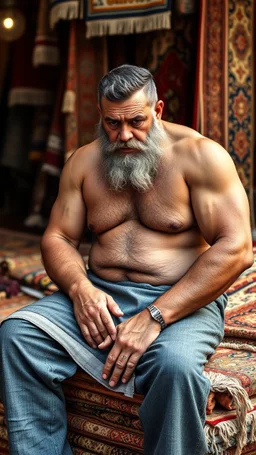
[167,363]
[176,363]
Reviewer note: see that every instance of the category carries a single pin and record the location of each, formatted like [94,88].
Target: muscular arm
[221,210]
[63,261]
[60,242]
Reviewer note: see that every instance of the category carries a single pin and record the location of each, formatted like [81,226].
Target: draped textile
[54,155]
[17,138]
[86,65]
[169,55]
[63,9]
[185,6]
[49,148]
[39,133]
[4,54]
[29,85]
[46,51]
[224,107]
[116,18]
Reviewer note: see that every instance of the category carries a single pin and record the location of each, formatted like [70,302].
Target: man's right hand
[92,309]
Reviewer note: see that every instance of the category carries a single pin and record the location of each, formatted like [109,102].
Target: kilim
[118,17]
[85,69]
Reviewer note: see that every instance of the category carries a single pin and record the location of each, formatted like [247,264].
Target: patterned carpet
[21,254]
[14,243]
[225,83]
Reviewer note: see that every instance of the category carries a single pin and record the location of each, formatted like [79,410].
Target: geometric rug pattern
[225,82]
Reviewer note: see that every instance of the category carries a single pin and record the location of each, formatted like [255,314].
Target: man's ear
[159,109]
[99,109]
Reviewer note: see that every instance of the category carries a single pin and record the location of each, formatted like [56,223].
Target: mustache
[131,143]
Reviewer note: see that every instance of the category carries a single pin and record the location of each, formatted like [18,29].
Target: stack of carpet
[104,422]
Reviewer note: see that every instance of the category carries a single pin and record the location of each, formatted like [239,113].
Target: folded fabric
[78,451]
[94,411]
[106,433]
[8,288]
[115,18]
[98,447]
[221,430]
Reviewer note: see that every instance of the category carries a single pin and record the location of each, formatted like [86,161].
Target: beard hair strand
[137,170]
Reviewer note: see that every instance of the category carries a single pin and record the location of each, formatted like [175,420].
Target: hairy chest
[166,207]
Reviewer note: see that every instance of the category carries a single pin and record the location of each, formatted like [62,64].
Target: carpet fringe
[238,427]
[227,431]
[67,11]
[3,432]
[69,102]
[45,55]
[30,96]
[238,346]
[129,25]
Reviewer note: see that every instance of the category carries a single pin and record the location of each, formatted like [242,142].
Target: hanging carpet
[225,98]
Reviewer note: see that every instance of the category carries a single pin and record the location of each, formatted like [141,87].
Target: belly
[135,253]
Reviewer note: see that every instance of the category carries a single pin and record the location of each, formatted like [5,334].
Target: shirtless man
[171,224]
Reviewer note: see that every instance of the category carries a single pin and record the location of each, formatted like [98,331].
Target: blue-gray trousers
[41,345]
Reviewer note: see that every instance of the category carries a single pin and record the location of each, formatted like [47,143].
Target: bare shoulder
[205,160]
[84,155]
[81,162]
[186,141]
[199,158]
[180,132]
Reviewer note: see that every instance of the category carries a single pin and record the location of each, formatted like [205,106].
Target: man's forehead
[134,105]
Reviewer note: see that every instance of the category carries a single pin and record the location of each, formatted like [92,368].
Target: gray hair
[123,81]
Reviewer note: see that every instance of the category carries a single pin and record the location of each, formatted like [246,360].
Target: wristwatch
[156,314]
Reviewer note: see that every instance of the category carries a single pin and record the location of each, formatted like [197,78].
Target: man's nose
[125,134]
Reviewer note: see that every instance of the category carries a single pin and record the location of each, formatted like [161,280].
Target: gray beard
[135,169]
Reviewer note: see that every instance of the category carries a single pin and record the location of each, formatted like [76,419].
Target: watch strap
[157,315]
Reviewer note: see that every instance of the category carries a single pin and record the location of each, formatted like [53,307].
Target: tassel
[222,383]
[128,25]
[66,11]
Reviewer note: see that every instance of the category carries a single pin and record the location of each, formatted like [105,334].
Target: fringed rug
[235,359]
[225,84]
[114,18]
[117,18]
[64,9]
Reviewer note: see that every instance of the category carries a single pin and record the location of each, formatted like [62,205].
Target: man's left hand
[133,338]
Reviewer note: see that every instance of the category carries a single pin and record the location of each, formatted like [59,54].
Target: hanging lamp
[12,20]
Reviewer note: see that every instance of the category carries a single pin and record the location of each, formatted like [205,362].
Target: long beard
[135,169]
